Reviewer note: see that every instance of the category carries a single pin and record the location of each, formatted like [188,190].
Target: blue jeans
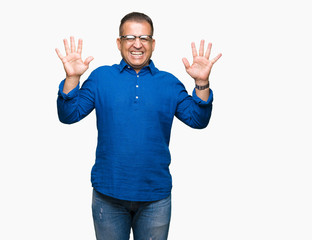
[114,218]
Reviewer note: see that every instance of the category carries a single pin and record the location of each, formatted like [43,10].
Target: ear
[118,41]
[153,45]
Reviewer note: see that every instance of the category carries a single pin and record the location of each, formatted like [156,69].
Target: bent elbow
[67,118]
[200,121]
[201,125]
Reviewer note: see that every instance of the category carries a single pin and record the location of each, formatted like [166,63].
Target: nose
[137,43]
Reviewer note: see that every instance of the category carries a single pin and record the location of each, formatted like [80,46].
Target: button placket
[137,89]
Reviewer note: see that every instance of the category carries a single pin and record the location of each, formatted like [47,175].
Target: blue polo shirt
[134,115]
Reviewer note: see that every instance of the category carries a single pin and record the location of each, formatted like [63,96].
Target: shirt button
[137,86]
[136,97]
[137,75]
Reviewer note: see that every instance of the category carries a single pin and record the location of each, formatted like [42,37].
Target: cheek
[150,49]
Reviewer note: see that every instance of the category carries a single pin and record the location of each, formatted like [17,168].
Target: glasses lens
[129,37]
[145,38]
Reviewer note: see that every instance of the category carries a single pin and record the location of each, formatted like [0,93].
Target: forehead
[136,28]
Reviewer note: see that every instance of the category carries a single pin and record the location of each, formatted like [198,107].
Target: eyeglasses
[131,38]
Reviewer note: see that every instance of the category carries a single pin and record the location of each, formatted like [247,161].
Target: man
[135,104]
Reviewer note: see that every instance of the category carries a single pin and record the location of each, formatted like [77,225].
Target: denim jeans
[114,218]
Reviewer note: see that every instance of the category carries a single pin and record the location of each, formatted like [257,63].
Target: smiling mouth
[136,53]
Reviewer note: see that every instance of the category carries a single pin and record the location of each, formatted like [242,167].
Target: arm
[192,110]
[201,68]
[196,111]
[73,103]
[78,103]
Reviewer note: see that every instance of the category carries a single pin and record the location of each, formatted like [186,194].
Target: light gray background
[246,176]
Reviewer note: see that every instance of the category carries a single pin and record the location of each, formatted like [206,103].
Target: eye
[130,37]
[145,38]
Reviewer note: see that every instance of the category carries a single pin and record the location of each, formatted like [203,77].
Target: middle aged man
[135,105]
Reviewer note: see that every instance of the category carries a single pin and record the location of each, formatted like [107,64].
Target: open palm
[201,66]
[73,64]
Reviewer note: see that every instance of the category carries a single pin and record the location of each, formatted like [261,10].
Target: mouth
[136,53]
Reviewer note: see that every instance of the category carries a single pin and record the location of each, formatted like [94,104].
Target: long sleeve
[192,110]
[77,104]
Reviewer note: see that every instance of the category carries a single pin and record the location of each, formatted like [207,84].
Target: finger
[194,51]
[88,60]
[66,46]
[72,44]
[79,49]
[186,63]
[58,52]
[201,48]
[208,51]
[216,58]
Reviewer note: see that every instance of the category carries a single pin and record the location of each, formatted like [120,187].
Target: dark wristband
[202,87]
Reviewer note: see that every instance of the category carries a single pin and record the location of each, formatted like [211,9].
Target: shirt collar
[150,67]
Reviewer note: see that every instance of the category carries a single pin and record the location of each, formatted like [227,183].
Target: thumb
[186,63]
[88,60]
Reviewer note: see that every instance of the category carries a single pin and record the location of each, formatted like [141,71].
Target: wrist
[202,86]
[201,82]
[72,78]
[70,84]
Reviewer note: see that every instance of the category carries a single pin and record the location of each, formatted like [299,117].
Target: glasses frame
[132,38]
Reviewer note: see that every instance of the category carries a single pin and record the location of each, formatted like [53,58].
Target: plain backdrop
[247,176]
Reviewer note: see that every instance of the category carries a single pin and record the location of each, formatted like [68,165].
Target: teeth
[137,53]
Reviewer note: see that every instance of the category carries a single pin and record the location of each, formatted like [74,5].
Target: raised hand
[201,67]
[73,64]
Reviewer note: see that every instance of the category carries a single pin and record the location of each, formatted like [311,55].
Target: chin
[137,64]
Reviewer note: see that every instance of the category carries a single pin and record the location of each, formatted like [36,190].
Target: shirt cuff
[69,95]
[202,102]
